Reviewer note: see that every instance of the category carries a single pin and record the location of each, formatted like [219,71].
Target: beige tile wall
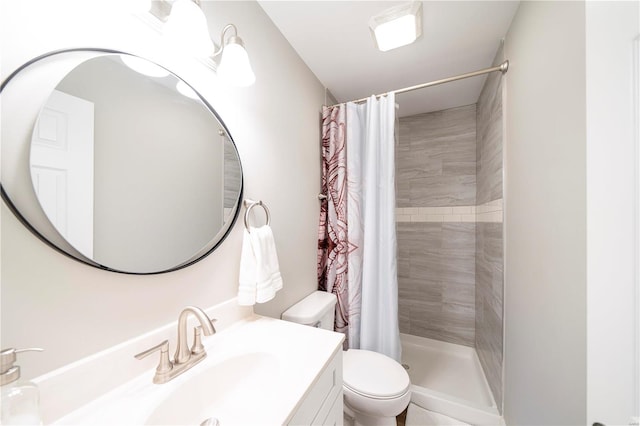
[436,214]
[436,159]
[489,237]
[488,303]
[436,273]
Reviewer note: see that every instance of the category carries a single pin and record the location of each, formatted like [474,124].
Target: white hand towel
[269,279]
[247,276]
[260,276]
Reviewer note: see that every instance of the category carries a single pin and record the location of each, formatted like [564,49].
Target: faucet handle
[197,347]
[165,363]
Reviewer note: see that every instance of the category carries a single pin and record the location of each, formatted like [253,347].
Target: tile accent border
[487,212]
[436,214]
[490,211]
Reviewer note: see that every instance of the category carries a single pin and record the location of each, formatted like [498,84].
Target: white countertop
[286,357]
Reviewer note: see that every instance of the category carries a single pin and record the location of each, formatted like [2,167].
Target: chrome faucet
[184,358]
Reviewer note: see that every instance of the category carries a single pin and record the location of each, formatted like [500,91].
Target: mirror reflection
[132,168]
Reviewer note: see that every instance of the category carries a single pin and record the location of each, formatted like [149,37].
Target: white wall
[611,29]
[73,310]
[571,218]
[545,216]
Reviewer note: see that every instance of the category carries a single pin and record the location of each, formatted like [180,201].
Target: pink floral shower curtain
[357,234]
[333,243]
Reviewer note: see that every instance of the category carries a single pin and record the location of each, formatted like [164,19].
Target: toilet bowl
[376,388]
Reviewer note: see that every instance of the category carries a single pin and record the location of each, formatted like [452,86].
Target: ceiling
[334,40]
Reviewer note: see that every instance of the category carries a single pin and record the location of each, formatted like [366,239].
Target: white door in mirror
[62,167]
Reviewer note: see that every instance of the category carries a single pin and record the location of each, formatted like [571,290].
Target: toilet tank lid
[310,309]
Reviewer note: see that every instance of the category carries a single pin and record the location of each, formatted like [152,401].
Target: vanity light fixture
[234,63]
[397,26]
[186,27]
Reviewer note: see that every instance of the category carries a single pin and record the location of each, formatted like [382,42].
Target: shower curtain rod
[503,67]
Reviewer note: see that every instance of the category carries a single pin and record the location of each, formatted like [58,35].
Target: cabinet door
[320,399]
[335,417]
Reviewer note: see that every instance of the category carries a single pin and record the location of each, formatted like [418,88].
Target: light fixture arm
[234,38]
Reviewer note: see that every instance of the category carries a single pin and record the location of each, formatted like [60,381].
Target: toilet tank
[317,310]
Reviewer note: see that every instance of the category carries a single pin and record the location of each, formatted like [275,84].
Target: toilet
[376,388]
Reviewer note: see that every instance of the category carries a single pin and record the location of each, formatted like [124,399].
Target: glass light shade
[235,67]
[144,67]
[186,28]
[397,26]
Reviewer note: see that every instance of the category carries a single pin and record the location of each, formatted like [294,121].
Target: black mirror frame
[39,235]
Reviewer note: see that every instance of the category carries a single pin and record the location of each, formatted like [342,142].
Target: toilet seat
[373,375]
[355,391]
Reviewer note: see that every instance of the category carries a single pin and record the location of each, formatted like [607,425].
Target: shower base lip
[443,391]
[457,408]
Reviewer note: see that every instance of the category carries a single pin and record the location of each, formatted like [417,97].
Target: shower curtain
[357,238]
[333,245]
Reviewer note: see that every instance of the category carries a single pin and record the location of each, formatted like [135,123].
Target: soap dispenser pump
[20,400]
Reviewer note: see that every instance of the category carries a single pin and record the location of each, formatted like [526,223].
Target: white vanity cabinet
[323,405]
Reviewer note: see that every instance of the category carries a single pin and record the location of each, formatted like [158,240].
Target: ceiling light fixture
[234,64]
[397,26]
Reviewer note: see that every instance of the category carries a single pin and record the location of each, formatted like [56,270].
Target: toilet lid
[372,374]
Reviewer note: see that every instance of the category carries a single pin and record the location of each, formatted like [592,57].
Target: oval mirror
[133,168]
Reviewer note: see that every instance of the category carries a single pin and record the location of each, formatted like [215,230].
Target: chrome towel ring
[249,204]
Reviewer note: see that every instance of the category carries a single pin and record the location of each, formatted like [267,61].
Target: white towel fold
[260,276]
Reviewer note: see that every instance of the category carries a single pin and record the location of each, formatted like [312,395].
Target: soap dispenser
[20,400]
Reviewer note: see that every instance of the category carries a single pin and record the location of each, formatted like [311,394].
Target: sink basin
[222,391]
